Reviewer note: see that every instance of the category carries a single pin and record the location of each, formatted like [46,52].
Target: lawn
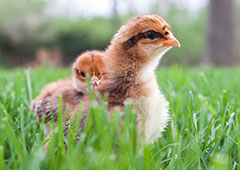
[203,132]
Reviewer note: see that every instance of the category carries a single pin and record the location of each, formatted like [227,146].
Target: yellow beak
[171,42]
[94,82]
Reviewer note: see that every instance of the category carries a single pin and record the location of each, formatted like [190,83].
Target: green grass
[203,133]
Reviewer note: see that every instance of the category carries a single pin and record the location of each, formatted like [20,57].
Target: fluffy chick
[131,59]
[72,90]
[90,64]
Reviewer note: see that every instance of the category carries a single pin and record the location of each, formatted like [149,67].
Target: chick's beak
[94,82]
[171,41]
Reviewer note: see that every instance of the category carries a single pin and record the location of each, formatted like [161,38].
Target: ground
[203,132]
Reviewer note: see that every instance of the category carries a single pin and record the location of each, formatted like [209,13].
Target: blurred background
[54,32]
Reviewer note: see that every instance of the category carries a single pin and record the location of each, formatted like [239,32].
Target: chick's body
[73,91]
[132,57]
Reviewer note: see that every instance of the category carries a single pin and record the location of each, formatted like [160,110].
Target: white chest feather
[156,110]
[155,105]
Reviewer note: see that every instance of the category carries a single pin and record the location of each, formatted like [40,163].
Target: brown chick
[91,64]
[72,90]
[131,59]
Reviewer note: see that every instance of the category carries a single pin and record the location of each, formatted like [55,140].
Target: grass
[204,131]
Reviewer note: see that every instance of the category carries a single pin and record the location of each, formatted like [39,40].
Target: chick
[131,58]
[90,64]
[72,90]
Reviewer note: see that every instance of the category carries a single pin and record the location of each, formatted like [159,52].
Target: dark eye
[81,73]
[151,34]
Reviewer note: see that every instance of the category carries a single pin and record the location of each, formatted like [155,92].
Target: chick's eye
[151,34]
[81,73]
